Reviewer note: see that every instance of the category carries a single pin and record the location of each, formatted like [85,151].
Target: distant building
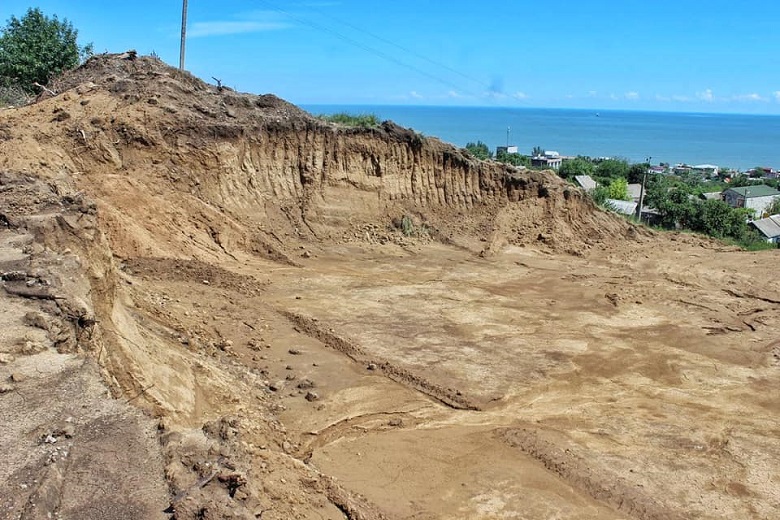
[507,149]
[758,198]
[550,159]
[769,227]
[710,170]
[760,171]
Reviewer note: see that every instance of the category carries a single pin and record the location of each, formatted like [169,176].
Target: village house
[548,160]
[758,198]
[508,149]
[707,170]
[769,227]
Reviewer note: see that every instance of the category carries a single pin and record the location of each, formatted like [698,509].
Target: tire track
[600,484]
[447,396]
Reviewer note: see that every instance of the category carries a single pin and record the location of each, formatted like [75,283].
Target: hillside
[217,303]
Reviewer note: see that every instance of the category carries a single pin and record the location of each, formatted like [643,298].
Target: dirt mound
[145,79]
[220,172]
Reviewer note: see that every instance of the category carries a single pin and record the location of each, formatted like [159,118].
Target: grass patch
[406,224]
[751,244]
[352,120]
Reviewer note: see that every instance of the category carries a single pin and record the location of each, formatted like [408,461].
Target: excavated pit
[217,304]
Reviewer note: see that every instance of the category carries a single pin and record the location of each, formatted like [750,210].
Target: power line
[402,48]
[378,52]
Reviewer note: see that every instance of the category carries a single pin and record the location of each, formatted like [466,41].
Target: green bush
[479,150]
[36,48]
[353,120]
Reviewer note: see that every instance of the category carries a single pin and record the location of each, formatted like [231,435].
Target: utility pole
[183,33]
[642,190]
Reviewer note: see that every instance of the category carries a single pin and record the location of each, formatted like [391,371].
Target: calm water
[734,140]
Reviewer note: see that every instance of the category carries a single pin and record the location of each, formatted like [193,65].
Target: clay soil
[201,322]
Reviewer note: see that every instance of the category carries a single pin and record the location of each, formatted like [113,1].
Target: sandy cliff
[327,322]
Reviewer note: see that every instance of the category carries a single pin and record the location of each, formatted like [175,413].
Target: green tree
[36,48]
[718,219]
[479,150]
[600,194]
[609,169]
[637,171]
[618,189]
[774,207]
[537,151]
[514,159]
[577,166]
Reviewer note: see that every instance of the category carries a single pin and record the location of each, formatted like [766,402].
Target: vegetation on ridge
[34,49]
[353,120]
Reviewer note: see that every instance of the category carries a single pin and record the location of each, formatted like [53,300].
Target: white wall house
[758,198]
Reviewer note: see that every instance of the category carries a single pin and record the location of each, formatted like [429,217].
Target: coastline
[740,141]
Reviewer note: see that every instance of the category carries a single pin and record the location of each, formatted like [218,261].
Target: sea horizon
[740,141]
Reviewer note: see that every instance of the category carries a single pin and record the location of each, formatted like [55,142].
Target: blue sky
[667,55]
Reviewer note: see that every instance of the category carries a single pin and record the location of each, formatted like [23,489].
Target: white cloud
[592,93]
[750,97]
[414,94]
[659,97]
[453,94]
[678,97]
[216,28]
[494,95]
[706,95]
[632,95]
[776,95]
[520,95]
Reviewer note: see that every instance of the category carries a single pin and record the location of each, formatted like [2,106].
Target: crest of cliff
[179,168]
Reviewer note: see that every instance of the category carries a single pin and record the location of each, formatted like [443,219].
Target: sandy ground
[642,382]
[212,308]
[527,385]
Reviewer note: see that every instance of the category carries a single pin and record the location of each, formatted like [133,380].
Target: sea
[727,140]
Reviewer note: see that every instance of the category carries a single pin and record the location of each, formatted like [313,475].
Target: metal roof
[586,181]
[769,226]
[760,190]
[626,207]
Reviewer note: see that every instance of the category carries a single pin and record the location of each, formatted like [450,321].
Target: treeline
[678,200]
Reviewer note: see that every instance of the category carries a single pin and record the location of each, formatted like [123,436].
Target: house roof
[625,207]
[712,195]
[770,226]
[760,190]
[586,181]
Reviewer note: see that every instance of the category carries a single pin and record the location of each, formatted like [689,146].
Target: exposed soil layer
[215,304]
